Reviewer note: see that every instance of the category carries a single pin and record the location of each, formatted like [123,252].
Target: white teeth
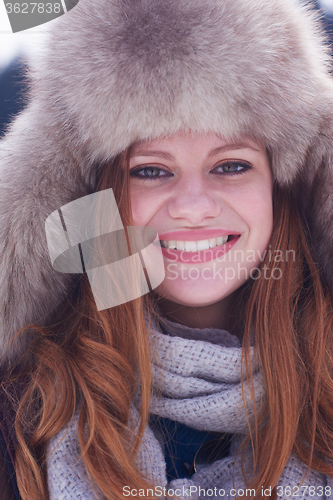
[180,245]
[203,245]
[172,244]
[222,239]
[195,246]
[191,246]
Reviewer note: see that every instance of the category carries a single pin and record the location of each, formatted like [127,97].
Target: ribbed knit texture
[195,382]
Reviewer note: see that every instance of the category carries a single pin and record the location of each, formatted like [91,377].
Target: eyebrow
[168,156]
[159,154]
[231,147]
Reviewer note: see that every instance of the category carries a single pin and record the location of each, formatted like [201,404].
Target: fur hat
[117,71]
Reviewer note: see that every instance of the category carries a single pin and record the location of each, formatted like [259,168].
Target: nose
[193,202]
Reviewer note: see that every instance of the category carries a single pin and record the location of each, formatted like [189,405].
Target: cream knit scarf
[196,381]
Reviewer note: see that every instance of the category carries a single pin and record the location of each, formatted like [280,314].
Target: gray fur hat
[117,71]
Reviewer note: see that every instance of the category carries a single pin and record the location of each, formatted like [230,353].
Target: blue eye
[150,173]
[232,167]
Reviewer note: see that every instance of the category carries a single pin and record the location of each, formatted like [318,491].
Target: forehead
[208,144]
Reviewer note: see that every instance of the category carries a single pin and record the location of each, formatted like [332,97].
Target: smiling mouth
[197,246]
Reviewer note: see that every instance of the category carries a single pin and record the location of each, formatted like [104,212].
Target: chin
[193,295]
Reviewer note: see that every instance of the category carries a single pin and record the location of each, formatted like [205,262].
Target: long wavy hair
[93,363]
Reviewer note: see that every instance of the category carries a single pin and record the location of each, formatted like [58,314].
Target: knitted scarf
[196,381]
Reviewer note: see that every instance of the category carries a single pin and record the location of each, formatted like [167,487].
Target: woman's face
[211,204]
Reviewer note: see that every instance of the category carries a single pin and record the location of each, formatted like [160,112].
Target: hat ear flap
[316,193]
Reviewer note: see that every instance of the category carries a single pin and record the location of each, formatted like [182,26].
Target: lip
[196,234]
[200,256]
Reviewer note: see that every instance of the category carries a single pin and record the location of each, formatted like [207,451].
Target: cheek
[138,214]
[255,206]
[147,206]
[140,208]
[260,219]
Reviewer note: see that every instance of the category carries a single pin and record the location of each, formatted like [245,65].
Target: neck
[221,315]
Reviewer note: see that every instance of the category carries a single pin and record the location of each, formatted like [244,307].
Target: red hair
[96,361]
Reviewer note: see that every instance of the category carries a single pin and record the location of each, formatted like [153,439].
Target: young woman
[211,121]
